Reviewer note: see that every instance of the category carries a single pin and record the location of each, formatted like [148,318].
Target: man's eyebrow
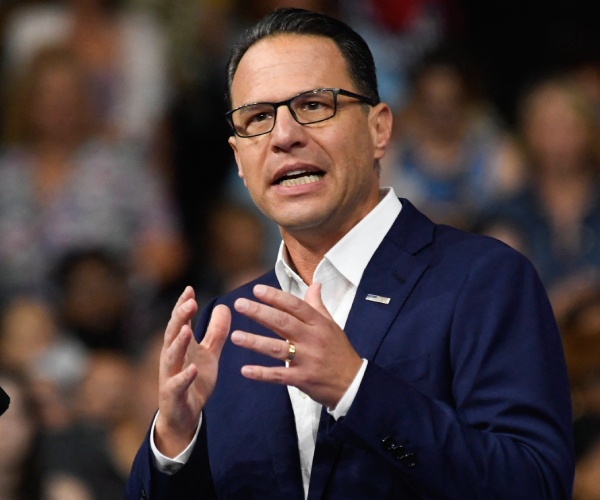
[283,100]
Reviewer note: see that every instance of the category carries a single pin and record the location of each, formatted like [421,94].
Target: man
[384,357]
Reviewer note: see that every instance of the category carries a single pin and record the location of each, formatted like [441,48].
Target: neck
[304,255]
[307,247]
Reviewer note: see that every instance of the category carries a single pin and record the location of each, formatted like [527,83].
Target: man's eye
[260,117]
[313,106]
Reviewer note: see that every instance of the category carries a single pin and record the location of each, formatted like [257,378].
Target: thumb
[218,329]
[313,299]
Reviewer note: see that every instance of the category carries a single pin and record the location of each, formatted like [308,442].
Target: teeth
[300,180]
[296,172]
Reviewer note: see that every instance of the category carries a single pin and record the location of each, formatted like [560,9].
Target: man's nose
[287,132]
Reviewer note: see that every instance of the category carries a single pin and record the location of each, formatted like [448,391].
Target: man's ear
[380,123]
[233,143]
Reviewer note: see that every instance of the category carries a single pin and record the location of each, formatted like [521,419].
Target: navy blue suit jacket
[465,395]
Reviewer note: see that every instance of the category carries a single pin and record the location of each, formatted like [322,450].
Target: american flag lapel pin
[378,298]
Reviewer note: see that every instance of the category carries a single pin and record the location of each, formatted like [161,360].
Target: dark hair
[354,49]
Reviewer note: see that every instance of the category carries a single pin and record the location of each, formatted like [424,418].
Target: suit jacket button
[410,460]
[399,453]
[388,443]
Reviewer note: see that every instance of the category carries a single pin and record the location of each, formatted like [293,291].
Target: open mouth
[297,177]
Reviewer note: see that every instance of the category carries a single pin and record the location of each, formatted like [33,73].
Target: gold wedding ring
[291,353]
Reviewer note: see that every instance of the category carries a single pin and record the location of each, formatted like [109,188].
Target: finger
[188,293]
[285,301]
[180,383]
[283,324]
[313,299]
[277,375]
[218,329]
[174,356]
[278,349]
[181,315]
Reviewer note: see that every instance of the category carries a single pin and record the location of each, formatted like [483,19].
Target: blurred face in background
[105,394]
[27,330]
[59,107]
[557,129]
[440,96]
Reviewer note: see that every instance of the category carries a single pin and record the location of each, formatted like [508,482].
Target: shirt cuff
[344,404]
[172,465]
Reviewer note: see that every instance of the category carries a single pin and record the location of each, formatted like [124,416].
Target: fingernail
[260,290]
[247,371]
[187,307]
[242,304]
[238,337]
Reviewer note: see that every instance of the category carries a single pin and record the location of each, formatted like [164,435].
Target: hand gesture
[187,373]
[324,363]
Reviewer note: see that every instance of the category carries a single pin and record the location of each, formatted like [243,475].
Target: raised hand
[187,373]
[325,363]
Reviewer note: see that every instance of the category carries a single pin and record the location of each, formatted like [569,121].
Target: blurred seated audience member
[235,249]
[94,299]
[27,330]
[31,343]
[123,53]
[19,455]
[98,449]
[63,189]
[450,156]
[557,213]
[399,34]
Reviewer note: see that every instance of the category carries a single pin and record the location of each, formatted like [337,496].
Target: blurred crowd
[118,188]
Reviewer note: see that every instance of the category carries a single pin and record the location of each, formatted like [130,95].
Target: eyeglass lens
[309,107]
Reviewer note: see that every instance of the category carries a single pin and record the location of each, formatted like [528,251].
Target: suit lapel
[392,272]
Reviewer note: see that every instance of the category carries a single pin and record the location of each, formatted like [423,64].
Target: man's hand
[187,374]
[325,363]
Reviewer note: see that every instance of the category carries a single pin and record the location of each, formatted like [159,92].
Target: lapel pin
[378,298]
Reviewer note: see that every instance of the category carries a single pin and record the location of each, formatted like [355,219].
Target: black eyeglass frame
[287,102]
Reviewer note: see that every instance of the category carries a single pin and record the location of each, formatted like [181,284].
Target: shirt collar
[353,252]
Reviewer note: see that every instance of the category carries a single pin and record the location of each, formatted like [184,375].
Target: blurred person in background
[450,155]
[97,450]
[236,243]
[123,53]
[61,188]
[98,303]
[556,215]
[31,343]
[400,35]
[19,454]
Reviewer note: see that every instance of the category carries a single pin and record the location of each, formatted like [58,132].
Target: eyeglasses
[313,106]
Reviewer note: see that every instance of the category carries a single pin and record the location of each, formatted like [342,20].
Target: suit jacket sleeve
[505,431]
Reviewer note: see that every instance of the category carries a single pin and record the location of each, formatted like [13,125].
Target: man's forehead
[280,66]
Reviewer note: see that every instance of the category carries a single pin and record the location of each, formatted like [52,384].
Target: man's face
[341,184]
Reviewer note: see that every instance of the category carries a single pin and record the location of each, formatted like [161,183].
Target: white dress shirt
[339,273]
